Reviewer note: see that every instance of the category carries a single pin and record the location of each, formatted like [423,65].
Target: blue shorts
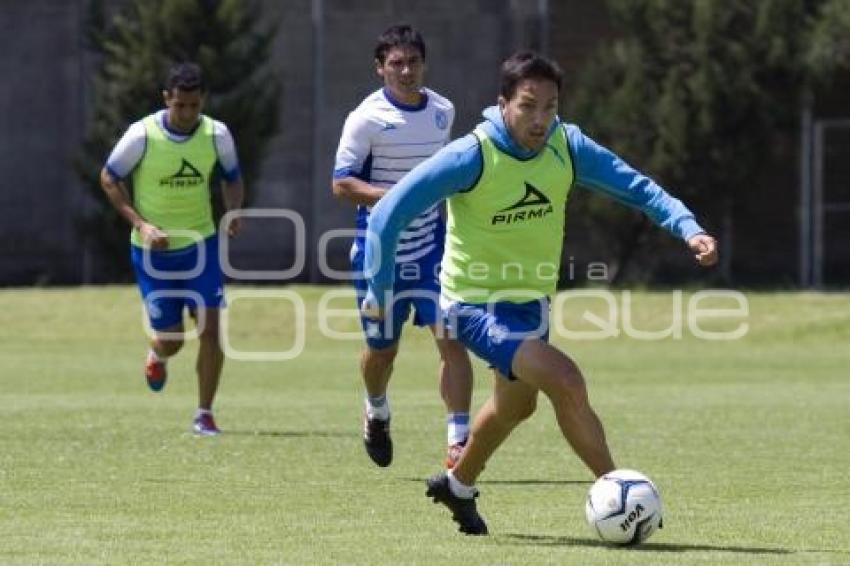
[417,286]
[177,281]
[495,331]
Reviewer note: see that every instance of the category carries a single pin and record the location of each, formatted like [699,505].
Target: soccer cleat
[376,439]
[155,373]
[464,512]
[204,425]
[453,454]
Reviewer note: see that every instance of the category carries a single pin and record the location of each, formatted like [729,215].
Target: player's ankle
[460,489]
[457,428]
[378,407]
[156,357]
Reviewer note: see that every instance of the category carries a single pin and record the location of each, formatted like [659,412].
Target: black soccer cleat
[464,512]
[376,439]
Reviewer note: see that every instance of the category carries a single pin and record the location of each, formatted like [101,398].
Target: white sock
[457,428]
[377,407]
[201,412]
[459,489]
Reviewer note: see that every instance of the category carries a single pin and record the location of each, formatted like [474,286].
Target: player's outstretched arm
[601,170]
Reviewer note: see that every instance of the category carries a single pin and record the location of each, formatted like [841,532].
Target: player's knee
[453,353]
[383,357]
[524,410]
[570,386]
[209,331]
[210,334]
[208,328]
[517,410]
[169,347]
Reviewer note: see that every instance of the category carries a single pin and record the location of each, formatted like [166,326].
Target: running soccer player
[390,132]
[170,156]
[506,185]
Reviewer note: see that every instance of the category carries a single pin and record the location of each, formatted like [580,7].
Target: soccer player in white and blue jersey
[394,129]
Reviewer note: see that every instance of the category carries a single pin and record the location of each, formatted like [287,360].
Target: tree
[135,46]
[694,92]
[829,50]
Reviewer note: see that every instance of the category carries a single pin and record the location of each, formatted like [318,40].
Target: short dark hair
[185,76]
[396,36]
[527,65]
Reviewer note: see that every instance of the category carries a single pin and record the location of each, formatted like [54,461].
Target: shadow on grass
[534,482]
[548,540]
[517,482]
[291,433]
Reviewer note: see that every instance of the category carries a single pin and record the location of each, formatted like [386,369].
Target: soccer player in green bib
[171,157]
[506,186]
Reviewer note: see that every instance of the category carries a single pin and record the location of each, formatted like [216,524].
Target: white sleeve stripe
[415,244]
[418,233]
[422,220]
[415,255]
[397,157]
[437,142]
[391,170]
[390,181]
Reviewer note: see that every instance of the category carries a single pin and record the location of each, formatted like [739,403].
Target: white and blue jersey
[130,149]
[382,140]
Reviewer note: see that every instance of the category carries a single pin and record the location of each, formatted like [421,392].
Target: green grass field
[748,441]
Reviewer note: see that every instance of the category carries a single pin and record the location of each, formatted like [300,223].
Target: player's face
[530,111]
[403,71]
[184,108]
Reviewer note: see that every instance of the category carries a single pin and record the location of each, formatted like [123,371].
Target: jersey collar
[423,102]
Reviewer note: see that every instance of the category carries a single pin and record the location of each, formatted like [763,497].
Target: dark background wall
[323,53]
[42,117]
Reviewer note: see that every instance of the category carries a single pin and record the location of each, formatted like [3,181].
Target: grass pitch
[748,441]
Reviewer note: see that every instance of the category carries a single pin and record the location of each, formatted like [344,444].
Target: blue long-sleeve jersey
[457,168]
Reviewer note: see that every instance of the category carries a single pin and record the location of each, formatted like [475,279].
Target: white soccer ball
[623,507]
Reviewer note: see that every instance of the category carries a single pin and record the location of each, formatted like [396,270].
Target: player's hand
[704,248]
[153,237]
[235,226]
[370,309]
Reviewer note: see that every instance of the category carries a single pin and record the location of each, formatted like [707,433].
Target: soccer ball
[623,507]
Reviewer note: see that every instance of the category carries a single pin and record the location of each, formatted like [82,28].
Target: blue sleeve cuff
[115,176]
[231,176]
[344,172]
[688,228]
